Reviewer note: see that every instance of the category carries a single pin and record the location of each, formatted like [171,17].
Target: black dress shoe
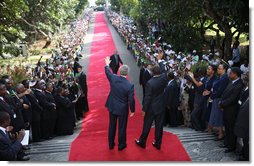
[241,158]
[26,148]
[219,139]
[122,148]
[25,158]
[222,146]
[229,150]
[111,146]
[156,146]
[140,144]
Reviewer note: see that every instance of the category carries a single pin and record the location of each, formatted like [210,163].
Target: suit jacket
[141,72]
[75,67]
[171,95]
[115,63]
[230,97]
[154,96]
[8,149]
[244,96]
[4,106]
[219,85]
[242,121]
[146,77]
[27,113]
[18,121]
[121,94]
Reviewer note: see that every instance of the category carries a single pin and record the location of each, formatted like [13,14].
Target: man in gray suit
[121,96]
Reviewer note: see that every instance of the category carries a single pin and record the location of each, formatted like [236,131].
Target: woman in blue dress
[219,85]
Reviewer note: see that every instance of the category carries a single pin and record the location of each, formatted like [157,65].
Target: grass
[242,39]
[31,60]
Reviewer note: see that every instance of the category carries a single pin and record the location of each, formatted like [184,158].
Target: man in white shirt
[9,149]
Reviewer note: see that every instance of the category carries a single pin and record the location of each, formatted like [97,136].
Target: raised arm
[107,69]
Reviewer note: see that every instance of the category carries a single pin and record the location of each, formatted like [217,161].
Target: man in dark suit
[144,76]
[229,104]
[76,65]
[4,106]
[121,97]
[115,62]
[26,111]
[82,104]
[47,108]
[242,129]
[10,150]
[171,97]
[154,106]
[14,101]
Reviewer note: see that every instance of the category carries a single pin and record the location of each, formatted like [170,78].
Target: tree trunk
[210,12]
[40,31]
[228,50]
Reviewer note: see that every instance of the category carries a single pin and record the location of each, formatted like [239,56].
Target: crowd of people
[207,93]
[49,103]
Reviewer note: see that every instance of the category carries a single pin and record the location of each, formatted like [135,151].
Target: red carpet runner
[92,142]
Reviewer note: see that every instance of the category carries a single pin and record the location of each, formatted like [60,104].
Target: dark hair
[214,67]
[236,70]
[225,66]
[24,82]
[5,77]
[3,117]
[156,70]
[59,90]
[2,81]
[171,75]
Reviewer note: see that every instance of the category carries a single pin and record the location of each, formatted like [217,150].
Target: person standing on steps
[121,96]
[115,61]
[154,105]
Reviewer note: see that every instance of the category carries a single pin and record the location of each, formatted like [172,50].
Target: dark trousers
[114,69]
[122,125]
[170,117]
[144,91]
[148,121]
[229,123]
[246,148]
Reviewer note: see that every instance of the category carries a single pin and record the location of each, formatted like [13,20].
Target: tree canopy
[29,20]
[184,23]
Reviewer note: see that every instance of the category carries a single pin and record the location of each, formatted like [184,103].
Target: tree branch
[35,27]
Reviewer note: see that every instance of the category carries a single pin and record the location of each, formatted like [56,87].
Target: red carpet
[92,142]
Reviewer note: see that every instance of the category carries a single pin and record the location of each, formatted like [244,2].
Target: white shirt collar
[170,81]
[235,80]
[3,129]
[38,90]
